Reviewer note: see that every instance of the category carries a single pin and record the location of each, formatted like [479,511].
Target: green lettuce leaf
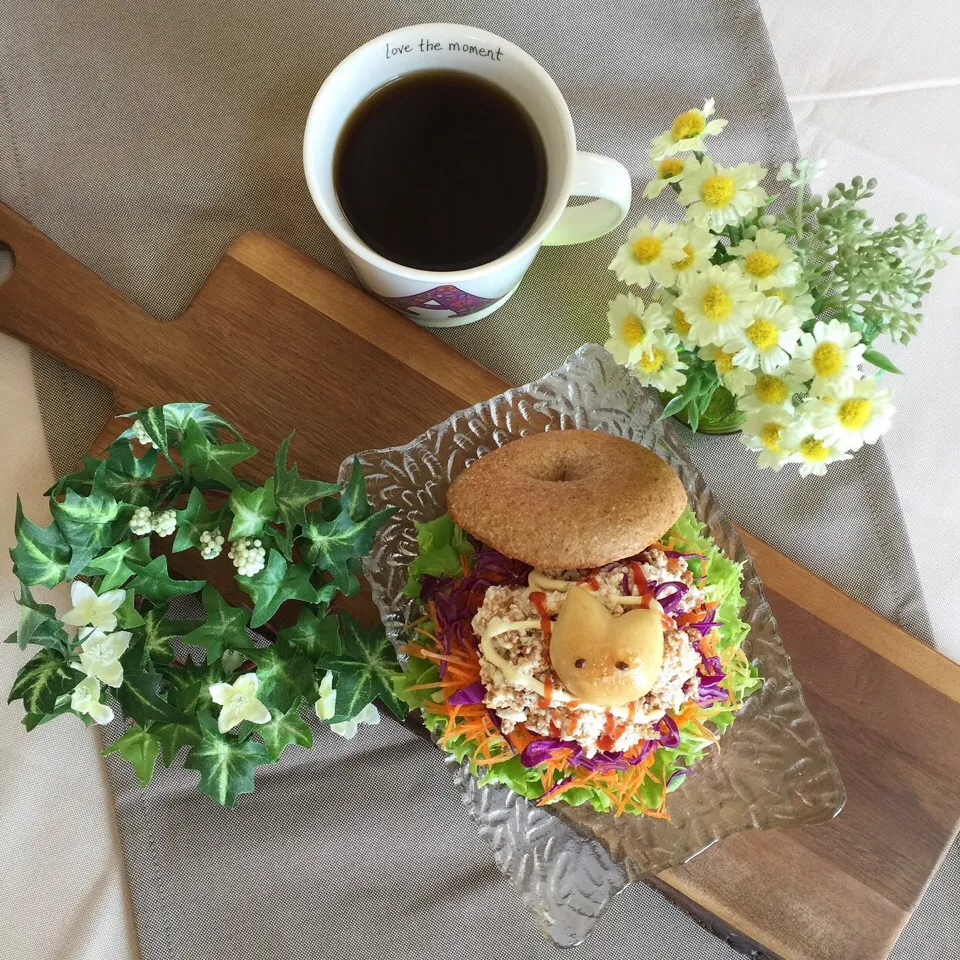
[442,543]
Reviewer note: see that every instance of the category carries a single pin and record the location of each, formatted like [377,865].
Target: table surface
[874,88]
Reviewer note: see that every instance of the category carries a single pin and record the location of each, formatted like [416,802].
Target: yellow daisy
[771,390]
[767,431]
[798,297]
[668,170]
[768,260]
[717,302]
[856,415]
[813,454]
[699,245]
[648,254]
[829,356]
[659,366]
[632,326]
[736,379]
[687,132]
[716,196]
[769,339]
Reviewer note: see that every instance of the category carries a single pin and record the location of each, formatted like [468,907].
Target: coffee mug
[448,299]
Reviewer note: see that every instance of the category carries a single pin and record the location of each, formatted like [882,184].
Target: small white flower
[687,132]
[770,338]
[164,522]
[775,389]
[830,356]
[699,245]
[93,611]
[717,303]
[716,196]
[796,297]
[348,729]
[806,172]
[648,254]
[86,699]
[668,170]
[766,430]
[141,523]
[768,260]
[326,705]
[100,656]
[857,414]
[813,454]
[248,556]
[736,379]
[239,702]
[632,324]
[659,366]
[141,434]
[211,544]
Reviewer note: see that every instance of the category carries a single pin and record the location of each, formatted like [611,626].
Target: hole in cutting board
[6,262]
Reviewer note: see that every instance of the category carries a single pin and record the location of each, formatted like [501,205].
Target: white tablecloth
[875,88]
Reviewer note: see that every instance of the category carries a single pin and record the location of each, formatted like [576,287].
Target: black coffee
[440,170]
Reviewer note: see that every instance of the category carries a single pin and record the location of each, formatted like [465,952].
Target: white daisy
[676,318]
[768,260]
[649,253]
[736,379]
[716,196]
[659,366]
[718,302]
[797,297]
[856,415]
[767,431]
[829,356]
[699,245]
[687,132]
[772,390]
[770,338]
[813,454]
[669,170]
[632,324]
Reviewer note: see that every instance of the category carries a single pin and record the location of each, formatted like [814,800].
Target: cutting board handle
[81,320]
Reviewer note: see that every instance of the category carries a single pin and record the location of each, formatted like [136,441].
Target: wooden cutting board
[275,341]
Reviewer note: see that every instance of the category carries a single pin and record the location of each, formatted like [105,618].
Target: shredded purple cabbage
[680,772]
[676,553]
[669,737]
[678,587]
[472,694]
[625,585]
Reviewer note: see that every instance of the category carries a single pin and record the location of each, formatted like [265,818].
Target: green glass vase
[722,415]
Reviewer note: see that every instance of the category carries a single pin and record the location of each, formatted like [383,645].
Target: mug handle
[609,182]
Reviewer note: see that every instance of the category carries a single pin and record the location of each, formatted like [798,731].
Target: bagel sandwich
[578,636]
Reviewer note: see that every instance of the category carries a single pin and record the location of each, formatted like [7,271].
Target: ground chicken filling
[592,727]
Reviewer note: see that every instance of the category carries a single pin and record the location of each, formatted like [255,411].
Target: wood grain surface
[275,341]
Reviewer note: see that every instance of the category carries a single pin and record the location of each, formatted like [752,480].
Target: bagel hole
[561,470]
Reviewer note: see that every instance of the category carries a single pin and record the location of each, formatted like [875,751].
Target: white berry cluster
[211,545]
[163,522]
[141,434]
[248,556]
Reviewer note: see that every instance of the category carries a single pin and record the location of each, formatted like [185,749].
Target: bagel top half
[567,499]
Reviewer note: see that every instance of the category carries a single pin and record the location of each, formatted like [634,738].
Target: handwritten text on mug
[430,46]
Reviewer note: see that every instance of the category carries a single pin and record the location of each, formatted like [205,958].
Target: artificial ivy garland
[208,685]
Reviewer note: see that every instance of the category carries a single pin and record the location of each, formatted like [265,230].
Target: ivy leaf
[128,617]
[277,583]
[155,583]
[881,361]
[158,631]
[285,675]
[154,423]
[173,736]
[212,461]
[31,721]
[354,498]
[81,480]
[225,765]
[39,625]
[189,686]
[86,523]
[139,748]
[293,494]
[251,510]
[331,544]
[42,680]
[195,518]
[365,670]
[285,729]
[126,473]
[40,555]
[222,629]
[139,694]
[113,564]
[178,415]
[314,635]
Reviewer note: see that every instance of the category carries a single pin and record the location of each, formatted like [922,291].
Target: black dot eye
[580,664]
[622,665]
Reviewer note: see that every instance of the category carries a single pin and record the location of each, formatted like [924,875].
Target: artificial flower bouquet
[200,679]
[765,311]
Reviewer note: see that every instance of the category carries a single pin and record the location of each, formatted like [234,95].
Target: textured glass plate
[773,770]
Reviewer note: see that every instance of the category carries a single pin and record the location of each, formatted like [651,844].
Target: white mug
[447,299]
